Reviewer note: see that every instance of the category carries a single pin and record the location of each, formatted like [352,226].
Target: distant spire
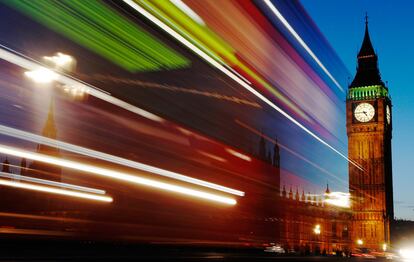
[327,191]
[284,191]
[49,129]
[297,197]
[290,193]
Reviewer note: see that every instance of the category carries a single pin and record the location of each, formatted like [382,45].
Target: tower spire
[368,73]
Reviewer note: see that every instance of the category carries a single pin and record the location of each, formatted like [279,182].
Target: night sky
[392,34]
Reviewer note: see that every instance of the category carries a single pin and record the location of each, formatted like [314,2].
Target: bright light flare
[317,229]
[52,190]
[60,59]
[116,175]
[360,242]
[339,199]
[42,75]
[407,254]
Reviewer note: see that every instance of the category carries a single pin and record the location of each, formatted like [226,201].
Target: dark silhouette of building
[43,170]
[369,129]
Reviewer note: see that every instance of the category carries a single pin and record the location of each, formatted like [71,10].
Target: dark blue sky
[392,33]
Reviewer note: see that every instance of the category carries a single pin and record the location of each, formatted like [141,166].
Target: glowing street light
[61,61]
[360,242]
[317,229]
[384,247]
[42,75]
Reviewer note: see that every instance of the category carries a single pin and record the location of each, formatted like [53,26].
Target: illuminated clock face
[388,114]
[364,112]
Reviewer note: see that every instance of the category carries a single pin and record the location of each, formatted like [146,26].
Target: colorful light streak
[186,9]
[52,183]
[19,134]
[230,74]
[52,190]
[301,42]
[116,175]
[214,46]
[103,31]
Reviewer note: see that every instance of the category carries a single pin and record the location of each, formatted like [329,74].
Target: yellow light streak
[116,175]
[52,190]
[19,134]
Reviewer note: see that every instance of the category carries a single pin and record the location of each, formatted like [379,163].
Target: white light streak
[52,183]
[187,10]
[58,191]
[19,134]
[116,175]
[239,155]
[21,61]
[223,69]
[301,42]
[339,199]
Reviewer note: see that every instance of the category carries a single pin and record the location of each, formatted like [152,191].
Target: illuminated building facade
[369,128]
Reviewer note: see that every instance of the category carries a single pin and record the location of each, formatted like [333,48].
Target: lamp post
[317,232]
[60,62]
[317,229]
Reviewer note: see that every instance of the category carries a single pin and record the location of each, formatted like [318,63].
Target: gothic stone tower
[369,128]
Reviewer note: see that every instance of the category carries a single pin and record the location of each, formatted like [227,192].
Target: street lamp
[317,229]
[42,75]
[360,242]
[384,247]
[61,61]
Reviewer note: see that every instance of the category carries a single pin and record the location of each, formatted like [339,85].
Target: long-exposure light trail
[230,74]
[52,183]
[116,175]
[16,133]
[23,61]
[301,42]
[53,190]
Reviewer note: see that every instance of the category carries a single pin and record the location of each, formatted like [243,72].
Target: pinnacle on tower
[368,73]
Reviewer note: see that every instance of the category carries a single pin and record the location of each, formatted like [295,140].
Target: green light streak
[97,27]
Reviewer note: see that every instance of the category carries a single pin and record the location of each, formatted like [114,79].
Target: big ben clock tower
[369,129]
